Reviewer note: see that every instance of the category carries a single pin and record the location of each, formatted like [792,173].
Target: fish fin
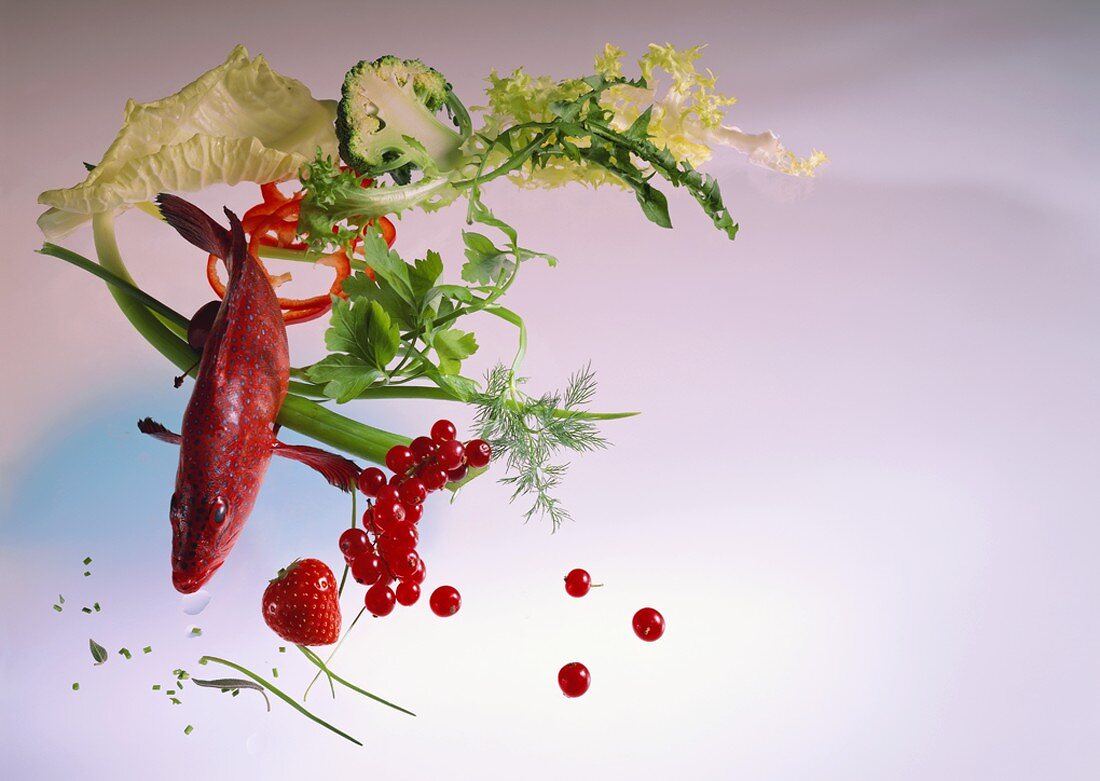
[154,429]
[195,225]
[339,471]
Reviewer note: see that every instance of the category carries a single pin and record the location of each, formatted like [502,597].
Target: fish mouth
[191,579]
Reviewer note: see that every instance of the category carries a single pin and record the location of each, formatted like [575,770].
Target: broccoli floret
[386,121]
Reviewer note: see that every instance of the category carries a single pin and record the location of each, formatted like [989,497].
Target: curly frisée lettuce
[241,121]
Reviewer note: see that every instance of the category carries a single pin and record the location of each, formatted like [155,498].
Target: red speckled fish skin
[228,436]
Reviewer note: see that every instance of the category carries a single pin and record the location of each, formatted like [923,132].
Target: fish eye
[218,510]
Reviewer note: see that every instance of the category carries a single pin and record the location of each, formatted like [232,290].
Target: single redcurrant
[445,601]
[353,542]
[400,459]
[478,453]
[577,583]
[413,491]
[403,535]
[451,454]
[404,563]
[574,679]
[458,473]
[371,480]
[413,512]
[649,624]
[443,431]
[408,592]
[418,576]
[387,515]
[366,569]
[423,447]
[379,599]
[433,477]
[388,494]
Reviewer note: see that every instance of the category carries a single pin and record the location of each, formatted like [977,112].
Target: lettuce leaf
[241,121]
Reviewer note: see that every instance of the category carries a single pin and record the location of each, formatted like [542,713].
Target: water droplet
[193,604]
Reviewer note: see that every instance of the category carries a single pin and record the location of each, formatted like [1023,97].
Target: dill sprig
[528,432]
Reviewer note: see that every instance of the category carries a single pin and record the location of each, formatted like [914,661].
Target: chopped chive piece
[87,560]
[195,631]
[203,661]
[125,652]
[170,692]
[87,610]
[236,692]
[86,573]
[76,687]
[60,599]
[99,653]
[188,729]
[274,672]
[57,608]
[282,649]
[147,649]
[156,687]
[175,701]
[96,606]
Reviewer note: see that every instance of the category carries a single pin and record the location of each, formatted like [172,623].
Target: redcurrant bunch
[382,555]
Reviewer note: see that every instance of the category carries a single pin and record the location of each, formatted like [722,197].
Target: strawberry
[301,604]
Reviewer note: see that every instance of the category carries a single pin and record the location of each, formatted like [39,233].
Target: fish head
[202,534]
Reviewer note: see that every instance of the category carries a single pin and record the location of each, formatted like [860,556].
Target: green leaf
[453,346]
[363,330]
[654,205]
[344,376]
[388,266]
[486,263]
[99,653]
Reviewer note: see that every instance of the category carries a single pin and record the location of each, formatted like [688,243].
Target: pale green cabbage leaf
[241,121]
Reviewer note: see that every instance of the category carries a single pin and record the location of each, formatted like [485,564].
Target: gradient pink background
[863,491]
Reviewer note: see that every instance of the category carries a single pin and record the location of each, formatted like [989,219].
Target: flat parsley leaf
[363,340]
[453,346]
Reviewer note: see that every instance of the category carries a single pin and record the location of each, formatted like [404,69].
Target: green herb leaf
[486,263]
[344,376]
[453,346]
[99,653]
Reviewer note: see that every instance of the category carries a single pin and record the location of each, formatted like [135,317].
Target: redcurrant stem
[334,650]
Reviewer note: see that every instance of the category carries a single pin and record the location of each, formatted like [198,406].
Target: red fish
[228,434]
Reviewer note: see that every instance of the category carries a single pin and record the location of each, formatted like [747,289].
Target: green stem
[281,695]
[347,632]
[313,657]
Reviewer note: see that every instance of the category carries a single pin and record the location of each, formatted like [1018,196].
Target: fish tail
[200,229]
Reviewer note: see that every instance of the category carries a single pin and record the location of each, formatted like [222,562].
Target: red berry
[445,601]
[413,512]
[574,679]
[413,491]
[388,494]
[403,535]
[388,514]
[649,624]
[418,575]
[371,480]
[396,479]
[301,604]
[367,569]
[422,447]
[577,583]
[379,599]
[478,453]
[408,592]
[443,431]
[451,454]
[404,563]
[433,477]
[353,542]
[458,473]
[400,459]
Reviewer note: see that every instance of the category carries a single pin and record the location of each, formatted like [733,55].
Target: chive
[125,652]
[96,606]
[274,672]
[87,560]
[147,649]
[87,574]
[87,610]
[188,729]
[57,608]
[195,631]
[236,692]
[282,649]
[76,687]
[60,599]
[156,687]
[176,702]
[170,692]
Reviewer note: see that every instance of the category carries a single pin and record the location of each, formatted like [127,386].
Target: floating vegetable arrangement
[398,139]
